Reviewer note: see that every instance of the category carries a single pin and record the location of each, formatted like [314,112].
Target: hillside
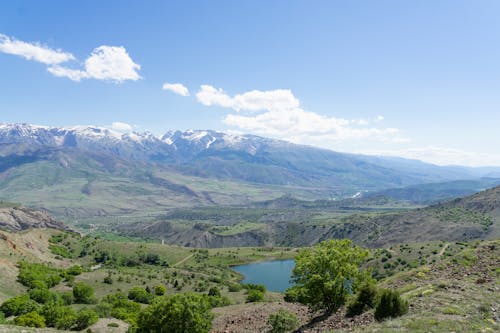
[22,218]
[290,222]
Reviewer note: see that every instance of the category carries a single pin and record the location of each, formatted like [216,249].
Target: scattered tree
[326,274]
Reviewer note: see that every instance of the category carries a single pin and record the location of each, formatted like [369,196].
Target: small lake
[275,275]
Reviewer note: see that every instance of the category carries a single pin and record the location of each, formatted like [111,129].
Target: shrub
[255,295]
[292,294]
[60,317]
[113,325]
[180,313]
[59,250]
[30,319]
[83,293]
[67,298]
[391,305]
[41,295]
[214,291]
[282,321]
[74,270]
[19,305]
[160,290]
[140,295]
[234,287]
[85,318]
[108,279]
[251,286]
[365,298]
[218,301]
[38,275]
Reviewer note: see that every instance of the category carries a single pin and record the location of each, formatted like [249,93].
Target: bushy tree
[282,321]
[30,319]
[255,295]
[19,305]
[56,315]
[390,304]
[140,295]
[180,313]
[366,298]
[83,293]
[326,274]
[85,318]
[160,290]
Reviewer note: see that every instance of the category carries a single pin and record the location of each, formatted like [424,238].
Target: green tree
[56,315]
[85,318]
[160,290]
[140,295]
[283,321]
[325,275]
[19,305]
[31,319]
[180,313]
[83,293]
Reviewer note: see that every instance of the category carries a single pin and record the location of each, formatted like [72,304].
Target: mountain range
[90,171]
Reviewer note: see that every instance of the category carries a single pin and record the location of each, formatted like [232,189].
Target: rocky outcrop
[21,218]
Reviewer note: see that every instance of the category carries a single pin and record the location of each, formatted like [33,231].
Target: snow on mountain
[130,145]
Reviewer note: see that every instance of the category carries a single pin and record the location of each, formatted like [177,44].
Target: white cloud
[442,156]
[33,51]
[278,113]
[107,63]
[176,88]
[121,127]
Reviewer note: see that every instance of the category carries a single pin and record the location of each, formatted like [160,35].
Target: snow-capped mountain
[176,144]
[209,153]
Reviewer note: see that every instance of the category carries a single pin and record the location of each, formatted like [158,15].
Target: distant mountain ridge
[84,171]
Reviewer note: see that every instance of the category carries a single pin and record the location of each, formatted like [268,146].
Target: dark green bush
[366,298]
[282,321]
[390,304]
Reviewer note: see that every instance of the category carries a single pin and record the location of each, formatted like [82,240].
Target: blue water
[275,275]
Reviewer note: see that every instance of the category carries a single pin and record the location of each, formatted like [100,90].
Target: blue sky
[417,79]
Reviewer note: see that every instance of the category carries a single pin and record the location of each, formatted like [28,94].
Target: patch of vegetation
[282,322]
[325,275]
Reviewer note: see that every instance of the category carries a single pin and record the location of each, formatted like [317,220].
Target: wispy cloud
[176,88]
[278,113]
[33,51]
[107,63]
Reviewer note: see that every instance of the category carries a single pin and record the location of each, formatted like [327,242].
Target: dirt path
[183,260]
